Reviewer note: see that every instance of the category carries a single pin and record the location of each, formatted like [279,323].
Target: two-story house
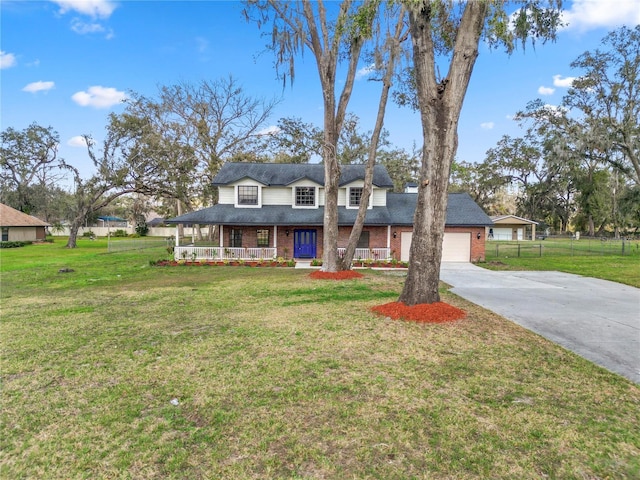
[272,209]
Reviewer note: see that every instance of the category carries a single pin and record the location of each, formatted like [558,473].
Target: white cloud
[77,141]
[542,90]
[487,125]
[99,97]
[270,130]
[83,28]
[92,8]
[365,71]
[202,44]
[587,15]
[34,87]
[565,82]
[7,60]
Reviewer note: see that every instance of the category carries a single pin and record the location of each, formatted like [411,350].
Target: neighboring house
[111,221]
[272,209]
[510,227]
[20,227]
[155,222]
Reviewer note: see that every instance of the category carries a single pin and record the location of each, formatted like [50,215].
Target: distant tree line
[577,167]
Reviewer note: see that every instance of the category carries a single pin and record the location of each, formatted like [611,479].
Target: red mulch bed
[343,275]
[438,312]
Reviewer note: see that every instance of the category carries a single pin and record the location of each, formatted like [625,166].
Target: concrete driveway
[597,319]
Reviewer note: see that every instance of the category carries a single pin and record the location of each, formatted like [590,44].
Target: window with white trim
[247,195]
[305,196]
[355,196]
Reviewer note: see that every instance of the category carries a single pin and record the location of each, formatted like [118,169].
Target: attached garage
[456,247]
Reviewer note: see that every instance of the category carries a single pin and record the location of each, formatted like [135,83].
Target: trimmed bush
[13,244]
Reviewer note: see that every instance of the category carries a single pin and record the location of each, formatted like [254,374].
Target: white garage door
[456,247]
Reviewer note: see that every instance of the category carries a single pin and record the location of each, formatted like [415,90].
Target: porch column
[221,239]
[389,238]
[275,237]
[177,235]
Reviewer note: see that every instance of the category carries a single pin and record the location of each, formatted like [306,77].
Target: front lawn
[123,370]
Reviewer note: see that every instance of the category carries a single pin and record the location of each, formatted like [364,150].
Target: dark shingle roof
[277,215]
[282,174]
[461,211]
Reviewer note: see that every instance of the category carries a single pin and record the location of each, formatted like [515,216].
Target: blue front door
[304,243]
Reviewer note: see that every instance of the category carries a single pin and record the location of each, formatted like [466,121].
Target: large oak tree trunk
[72,242]
[440,105]
[425,254]
[330,260]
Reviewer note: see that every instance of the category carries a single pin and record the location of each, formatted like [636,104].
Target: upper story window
[305,196]
[355,196]
[247,195]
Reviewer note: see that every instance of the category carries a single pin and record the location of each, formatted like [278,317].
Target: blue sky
[69,63]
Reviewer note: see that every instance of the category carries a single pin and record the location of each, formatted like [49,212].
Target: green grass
[591,258]
[279,376]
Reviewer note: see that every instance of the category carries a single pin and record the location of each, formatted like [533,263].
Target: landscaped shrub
[13,244]
[119,233]
[88,234]
[142,229]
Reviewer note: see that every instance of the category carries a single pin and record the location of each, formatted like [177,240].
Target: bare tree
[121,167]
[195,129]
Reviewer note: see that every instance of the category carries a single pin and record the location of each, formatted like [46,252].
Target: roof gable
[283,174]
[10,217]
[512,219]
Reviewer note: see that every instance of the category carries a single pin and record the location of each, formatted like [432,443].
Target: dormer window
[247,195]
[355,196]
[304,196]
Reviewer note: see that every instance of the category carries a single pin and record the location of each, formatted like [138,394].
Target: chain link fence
[126,244]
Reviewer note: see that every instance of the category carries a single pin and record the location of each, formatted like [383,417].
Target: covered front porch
[277,242]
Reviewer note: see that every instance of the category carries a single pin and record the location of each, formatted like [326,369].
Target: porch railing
[193,253]
[368,253]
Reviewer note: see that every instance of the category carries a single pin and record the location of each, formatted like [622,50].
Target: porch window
[262,236]
[235,238]
[247,195]
[363,241]
[305,197]
[355,196]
